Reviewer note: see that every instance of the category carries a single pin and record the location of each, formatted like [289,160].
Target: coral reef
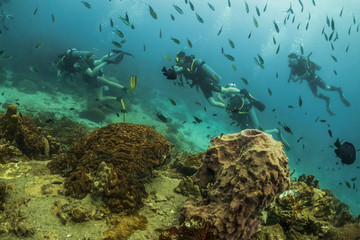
[21,132]
[241,173]
[124,226]
[130,151]
[309,180]
[306,212]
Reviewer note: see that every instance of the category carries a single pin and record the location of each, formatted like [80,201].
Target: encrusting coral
[241,173]
[21,132]
[129,150]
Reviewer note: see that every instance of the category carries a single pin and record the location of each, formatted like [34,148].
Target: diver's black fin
[163,69]
[337,143]
[256,103]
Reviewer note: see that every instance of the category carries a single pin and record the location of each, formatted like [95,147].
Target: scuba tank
[199,63]
[76,53]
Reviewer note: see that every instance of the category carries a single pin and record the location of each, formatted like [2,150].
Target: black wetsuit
[313,79]
[84,65]
[238,110]
[194,71]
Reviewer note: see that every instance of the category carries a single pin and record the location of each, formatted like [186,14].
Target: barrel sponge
[242,173]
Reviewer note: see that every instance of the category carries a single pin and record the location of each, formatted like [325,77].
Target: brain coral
[242,173]
[129,150]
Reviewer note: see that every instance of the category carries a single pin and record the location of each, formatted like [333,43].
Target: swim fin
[124,109]
[256,103]
[133,82]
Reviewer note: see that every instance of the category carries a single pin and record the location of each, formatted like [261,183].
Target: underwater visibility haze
[247,43]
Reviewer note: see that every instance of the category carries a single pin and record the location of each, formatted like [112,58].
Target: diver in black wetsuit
[198,73]
[75,61]
[304,69]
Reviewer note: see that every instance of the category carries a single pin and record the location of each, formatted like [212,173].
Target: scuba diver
[240,108]
[198,73]
[304,69]
[75,61]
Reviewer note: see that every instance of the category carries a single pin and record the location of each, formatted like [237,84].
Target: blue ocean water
[77,26]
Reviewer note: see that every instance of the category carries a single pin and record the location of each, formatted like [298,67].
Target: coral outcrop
[21,132]
[241,173]
[130,151]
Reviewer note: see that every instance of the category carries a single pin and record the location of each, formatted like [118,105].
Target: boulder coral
[129,150]
[21,132]
[241,173]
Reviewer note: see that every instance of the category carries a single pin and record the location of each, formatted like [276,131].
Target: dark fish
[299,139]
[172,17]
[347,48]
[274,40]
[222,50]
[50,120]
[341,12]
[175,40]
[86,4]
[52,18]
[274,110]
[117,114]
[232,123]
[354,20]
[255,22]
[327,21]
[119,33]
[246,7]
[152,12]
[302,5]
[276,27]
[229,3]
[38,45]
[265,7]
[347,184]
[332,24]
[116,44]
[290,106]
[191,6]
[257,11]
[179,10]
[345,151]
[71,109]
[161,117]
[353,179]
[144,47]
[301,49]
[330,133]
[232,44]
[249,36]
[35,11]
[172,102]
[160,35]
[307,26]
[335,72]
[290,10]
[326,37]
[100,27]
[349,31]
[228,56]
[214,114]
[125,19]
[205,109]
[334,58]
[286,128]
[323,120]
[309,17]
[332,46]
[197,103]
[298,26]
[261,60]
[269,91]
[331,35]
[219,32]
[313,1]
[189,43]
[111,22]
[198,120]
[278,49]
[244,81]
[199,18]
[211,6]
[276,75]
[300,101]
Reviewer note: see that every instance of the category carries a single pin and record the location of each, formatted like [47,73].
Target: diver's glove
[169,73]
